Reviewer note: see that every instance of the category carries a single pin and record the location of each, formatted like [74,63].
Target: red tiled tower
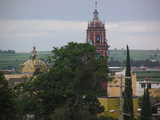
[96,35]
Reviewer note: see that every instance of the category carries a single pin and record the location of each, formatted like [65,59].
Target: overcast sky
[48,23]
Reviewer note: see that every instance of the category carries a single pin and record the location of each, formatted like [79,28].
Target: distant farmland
[15,60]
[135,54]
[8,61]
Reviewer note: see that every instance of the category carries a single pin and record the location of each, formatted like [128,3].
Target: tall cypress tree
[128,102]
[146,110]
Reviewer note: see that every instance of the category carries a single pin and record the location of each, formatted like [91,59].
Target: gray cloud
[23,34]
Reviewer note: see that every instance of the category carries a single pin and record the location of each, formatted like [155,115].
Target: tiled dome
[31,65]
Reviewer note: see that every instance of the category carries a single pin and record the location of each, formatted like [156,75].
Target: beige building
[114,87]
[148,77]
[140,80]
[14,79]
[155,92]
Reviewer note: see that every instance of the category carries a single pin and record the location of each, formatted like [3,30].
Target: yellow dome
[31,65]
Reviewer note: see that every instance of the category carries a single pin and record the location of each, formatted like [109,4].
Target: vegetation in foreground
[146,112]
[69,90]
[128,99]
[7,100]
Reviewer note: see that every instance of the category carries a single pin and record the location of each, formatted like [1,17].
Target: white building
[147,78]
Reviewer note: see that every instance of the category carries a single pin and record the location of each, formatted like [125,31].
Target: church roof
[31,65]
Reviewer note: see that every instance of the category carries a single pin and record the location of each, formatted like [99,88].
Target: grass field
[14,60]
[112,107]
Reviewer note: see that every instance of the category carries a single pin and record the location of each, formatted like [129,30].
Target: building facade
[147,78]
[96,35]
[116,86]
[141,79]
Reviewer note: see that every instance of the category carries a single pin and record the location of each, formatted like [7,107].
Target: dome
[31,65]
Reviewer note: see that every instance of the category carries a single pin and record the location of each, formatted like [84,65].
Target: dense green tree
[146,110]
[82,67]
[7,102]
[33,97]
[128,102]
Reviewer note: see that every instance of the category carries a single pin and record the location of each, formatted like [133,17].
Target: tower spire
[96,3]
[95,13]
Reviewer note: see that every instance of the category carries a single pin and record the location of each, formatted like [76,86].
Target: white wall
[140,90]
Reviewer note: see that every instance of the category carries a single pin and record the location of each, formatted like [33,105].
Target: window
[90,42]
[143,85]
[98,38]
[149,85]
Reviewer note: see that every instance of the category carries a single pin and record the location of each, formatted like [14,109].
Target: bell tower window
[98,38]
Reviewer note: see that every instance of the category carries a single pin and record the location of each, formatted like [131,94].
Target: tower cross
[96,4]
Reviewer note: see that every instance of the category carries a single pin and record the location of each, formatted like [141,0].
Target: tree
[72,85]
[146,110]
[128,102]
[7,103]
[79,61]
[80,76]
[35,98]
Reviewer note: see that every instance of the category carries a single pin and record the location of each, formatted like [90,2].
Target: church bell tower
[96,34]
